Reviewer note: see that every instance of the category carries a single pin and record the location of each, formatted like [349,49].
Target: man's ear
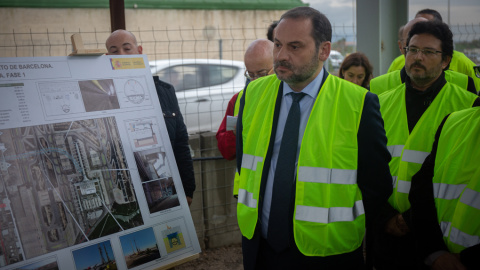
[446,61]
[140,49]
[324,51]
[400,46]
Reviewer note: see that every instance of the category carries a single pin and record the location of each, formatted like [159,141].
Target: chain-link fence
[214,208]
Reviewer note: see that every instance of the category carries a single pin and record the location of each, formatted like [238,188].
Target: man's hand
[189,200]
[397,226]
[448,261]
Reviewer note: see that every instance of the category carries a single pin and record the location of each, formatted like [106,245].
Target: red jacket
[226,139]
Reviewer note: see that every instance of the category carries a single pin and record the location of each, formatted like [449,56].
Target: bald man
[122,42]
[258,60]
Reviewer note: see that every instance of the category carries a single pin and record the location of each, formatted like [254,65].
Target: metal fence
[214,208]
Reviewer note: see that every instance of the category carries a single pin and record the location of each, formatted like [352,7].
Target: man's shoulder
[270,79]
[392,93]
[459,59]
[161,83]
[385,82]
[397,63]
[343,84]
[458,89]
[386,76]
[456,73]
[460,56]
[163,86]
[261,84]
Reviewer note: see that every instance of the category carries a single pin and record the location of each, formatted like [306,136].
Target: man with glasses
[412,112]
[397,75]
[259,63]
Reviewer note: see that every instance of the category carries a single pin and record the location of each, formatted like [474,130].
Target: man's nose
[281,54]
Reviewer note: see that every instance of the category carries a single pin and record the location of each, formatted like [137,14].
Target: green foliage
[461,46]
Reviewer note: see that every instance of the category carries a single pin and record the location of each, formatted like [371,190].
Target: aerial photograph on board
[62,184]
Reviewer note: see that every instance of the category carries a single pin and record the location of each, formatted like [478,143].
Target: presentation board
[88,176]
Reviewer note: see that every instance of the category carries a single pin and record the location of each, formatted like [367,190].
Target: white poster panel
[88,179]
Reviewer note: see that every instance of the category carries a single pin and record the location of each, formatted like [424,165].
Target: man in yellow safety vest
[311,154]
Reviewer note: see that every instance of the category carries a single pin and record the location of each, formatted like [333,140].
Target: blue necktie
[284,179]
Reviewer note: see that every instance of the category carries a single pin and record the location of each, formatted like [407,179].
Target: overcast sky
[461,11]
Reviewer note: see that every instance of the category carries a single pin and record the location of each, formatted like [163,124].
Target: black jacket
[177,131]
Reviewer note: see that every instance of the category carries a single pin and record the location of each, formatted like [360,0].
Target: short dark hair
[357,59]
[270,30]
[321,27]
[438,29]
[432,12]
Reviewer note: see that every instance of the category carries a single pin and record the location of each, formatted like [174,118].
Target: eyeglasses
[477,71]
[426,52]
[252,76]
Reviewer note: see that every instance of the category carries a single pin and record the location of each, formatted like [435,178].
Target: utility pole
[117,14]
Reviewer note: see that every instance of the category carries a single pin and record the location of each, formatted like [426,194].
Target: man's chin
[282,75]
[417,73]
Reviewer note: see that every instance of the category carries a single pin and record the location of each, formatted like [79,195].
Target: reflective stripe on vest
[457,236]
[329,215]
[394,181]
[463,239]
[471,197]
[403,186]
[326,175]
[445,227]
[395,150]
[246,198]
[447,191]
[414,156]
[250,161]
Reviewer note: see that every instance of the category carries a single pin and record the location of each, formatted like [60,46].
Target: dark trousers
[292,258]
[395,253]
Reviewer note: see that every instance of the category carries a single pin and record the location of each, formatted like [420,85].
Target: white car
[203,88]
[336,59]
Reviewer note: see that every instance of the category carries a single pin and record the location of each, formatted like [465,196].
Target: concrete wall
[216,220]
[24,19]
[185,33]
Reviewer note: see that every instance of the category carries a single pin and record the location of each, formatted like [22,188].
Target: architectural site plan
[88,179]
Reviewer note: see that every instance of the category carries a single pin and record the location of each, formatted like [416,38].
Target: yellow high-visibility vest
[456,180]
[329,217]
[409,150]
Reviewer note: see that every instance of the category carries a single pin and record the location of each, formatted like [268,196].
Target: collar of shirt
[311,89]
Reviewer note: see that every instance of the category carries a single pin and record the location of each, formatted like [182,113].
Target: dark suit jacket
[177,132]
[373,173]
